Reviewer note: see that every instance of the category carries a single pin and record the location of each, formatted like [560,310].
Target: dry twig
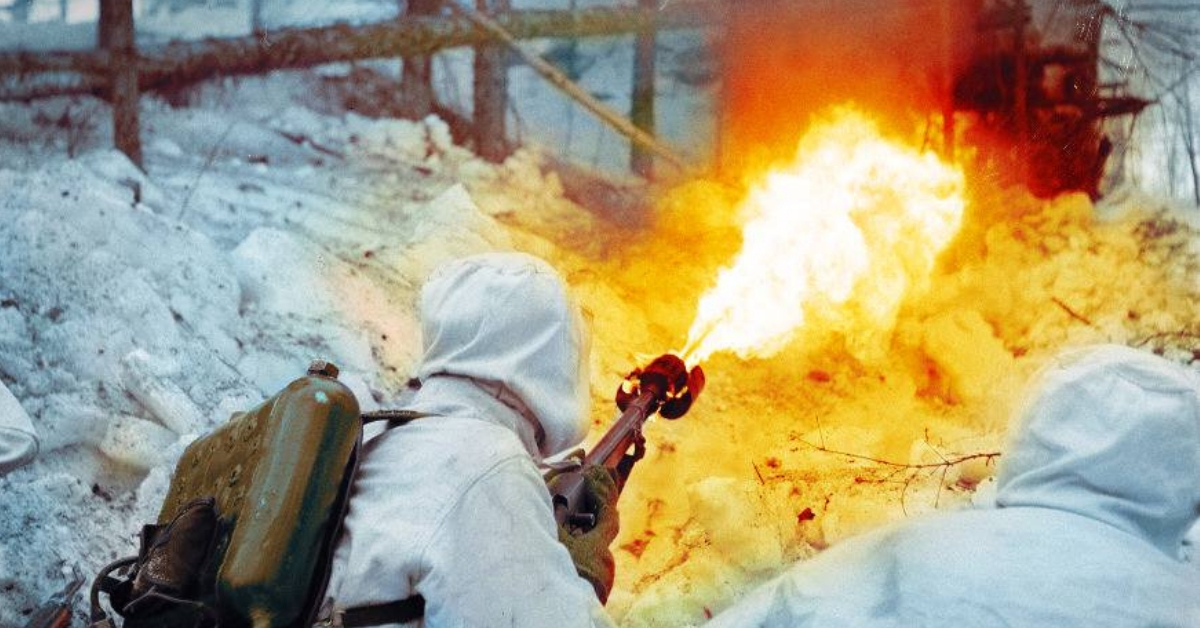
[1181,334]
[946,462]
[912,469]
[1072,313]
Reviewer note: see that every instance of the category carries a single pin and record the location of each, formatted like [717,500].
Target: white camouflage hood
[1113,434]
[507,319]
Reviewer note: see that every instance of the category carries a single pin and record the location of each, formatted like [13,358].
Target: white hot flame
[840,237]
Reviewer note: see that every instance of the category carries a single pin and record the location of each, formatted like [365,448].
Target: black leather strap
[394,418]
[398,612]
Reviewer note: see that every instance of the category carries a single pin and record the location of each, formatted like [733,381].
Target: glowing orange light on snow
[838,237]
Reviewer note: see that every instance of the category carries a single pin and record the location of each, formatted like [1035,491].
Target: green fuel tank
[280,474]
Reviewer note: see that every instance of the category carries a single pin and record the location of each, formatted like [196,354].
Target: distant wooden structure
[1017,80]
[416,99]
[1033,97]
[121,71]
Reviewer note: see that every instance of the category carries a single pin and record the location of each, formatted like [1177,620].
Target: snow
[147,307]
[142,309]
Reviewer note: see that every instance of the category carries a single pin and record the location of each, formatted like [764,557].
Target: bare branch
[910,470]
[1164,335]
[1072,313]
[761,481]
[947,462]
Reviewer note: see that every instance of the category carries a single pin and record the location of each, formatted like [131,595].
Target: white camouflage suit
[452,506]
[18,440]
[1096,491]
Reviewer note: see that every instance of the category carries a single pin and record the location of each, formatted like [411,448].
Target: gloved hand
[589,548]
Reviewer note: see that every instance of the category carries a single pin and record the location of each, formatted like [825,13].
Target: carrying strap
[394,418]
[400,611]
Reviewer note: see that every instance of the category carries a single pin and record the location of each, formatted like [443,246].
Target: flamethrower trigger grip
[625,466]
[581,521]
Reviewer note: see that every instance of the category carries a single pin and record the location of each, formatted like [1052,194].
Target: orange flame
[838,237]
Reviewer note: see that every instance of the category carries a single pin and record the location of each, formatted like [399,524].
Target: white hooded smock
[452,506]
[1096,491]
[18,440]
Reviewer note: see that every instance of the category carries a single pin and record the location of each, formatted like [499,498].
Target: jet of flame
[838,237]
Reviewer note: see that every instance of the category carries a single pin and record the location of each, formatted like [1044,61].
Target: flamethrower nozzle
[667,377]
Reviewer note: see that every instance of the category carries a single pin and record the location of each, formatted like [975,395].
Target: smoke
[785,61]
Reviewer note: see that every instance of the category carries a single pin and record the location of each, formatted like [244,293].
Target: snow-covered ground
[141,309]
[138,310]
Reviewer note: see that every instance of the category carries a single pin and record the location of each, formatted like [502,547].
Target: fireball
[835,240]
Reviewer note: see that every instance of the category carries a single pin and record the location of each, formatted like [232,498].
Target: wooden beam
[1021,76]
[182,63]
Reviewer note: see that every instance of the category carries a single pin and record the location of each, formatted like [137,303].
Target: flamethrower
[665,386]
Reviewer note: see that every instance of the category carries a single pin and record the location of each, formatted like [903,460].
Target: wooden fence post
[116,35]
[256,16]
[20,9]
[641,111]
[491,91]
[1021,18]
[946,35]
[416,74]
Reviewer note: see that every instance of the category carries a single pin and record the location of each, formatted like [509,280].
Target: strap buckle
[333,620]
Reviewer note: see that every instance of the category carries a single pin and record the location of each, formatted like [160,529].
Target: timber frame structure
[1029,99]
[1033,99]
[119,72]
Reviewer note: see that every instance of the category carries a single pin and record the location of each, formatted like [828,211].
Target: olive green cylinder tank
[280,475]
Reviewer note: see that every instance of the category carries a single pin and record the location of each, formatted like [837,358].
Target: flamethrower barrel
[665,386]
[569,494]
[612,446]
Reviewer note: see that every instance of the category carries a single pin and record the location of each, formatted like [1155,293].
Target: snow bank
[81,262]
[141,310]
[99,287]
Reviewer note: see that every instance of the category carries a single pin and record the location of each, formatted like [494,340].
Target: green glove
[589,548]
